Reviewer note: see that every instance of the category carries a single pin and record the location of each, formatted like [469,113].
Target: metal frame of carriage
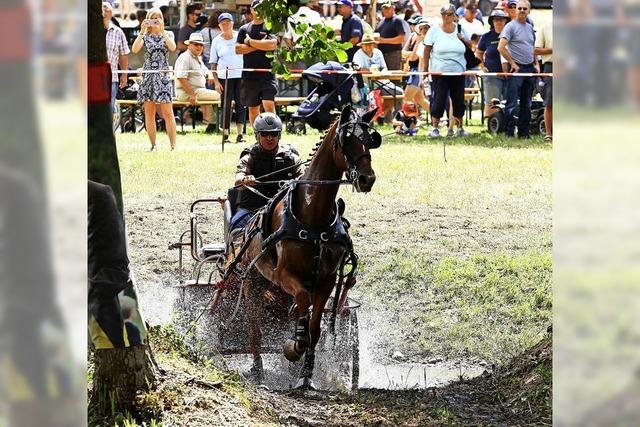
[213,256]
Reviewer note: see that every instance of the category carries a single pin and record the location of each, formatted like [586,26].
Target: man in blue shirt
[520,38]
[352,29]
[391,37]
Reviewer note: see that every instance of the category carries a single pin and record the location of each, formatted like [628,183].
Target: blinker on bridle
[369,139]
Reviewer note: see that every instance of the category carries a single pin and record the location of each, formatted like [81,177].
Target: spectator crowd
[212,51]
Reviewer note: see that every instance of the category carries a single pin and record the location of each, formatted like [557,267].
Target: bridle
[366,134]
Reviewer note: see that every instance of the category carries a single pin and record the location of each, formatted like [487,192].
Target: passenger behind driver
[265,157]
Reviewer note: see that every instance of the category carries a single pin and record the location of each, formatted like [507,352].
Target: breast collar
[291,228]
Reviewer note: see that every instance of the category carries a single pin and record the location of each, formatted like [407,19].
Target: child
[406,122]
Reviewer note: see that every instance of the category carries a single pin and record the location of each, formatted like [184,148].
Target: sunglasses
[272,134]
[447,14]
[523,8]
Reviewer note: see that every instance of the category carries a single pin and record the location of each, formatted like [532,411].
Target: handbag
[470,57]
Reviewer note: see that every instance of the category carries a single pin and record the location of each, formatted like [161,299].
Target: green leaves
[342,55]
[315,43]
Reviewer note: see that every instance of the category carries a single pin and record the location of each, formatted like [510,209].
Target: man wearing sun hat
[192,75]
[391,36]
[352,28]
[369,56]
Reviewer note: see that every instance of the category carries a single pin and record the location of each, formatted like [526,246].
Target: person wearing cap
[391,37]
[267,156]
[511,9]
[192,75]
[469,25]
[544,47]
[487,52]
[352,28]
[517,44]
[406,121]
[258,88]
[221,56]
[193,13]
[444,52]
[117,51]
[413,51]
[156,88]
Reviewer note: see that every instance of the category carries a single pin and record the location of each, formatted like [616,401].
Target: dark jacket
[255,161]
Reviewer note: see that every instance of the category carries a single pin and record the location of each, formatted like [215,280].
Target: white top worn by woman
[223,53]
[447,52]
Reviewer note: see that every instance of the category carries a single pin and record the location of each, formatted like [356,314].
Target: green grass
[456,253]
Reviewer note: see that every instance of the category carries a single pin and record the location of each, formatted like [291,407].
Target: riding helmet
[267,122]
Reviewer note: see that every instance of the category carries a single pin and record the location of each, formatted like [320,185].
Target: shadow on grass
[482,139]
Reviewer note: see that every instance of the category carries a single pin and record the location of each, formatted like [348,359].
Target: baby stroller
[325,101]
[129,118]
[497,120]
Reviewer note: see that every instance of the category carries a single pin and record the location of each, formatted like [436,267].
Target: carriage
[282,268]
[219,313]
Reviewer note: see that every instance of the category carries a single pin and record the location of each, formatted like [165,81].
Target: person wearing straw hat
[487,52]
[223,55]
[156,87]
[369,57]
[192,76]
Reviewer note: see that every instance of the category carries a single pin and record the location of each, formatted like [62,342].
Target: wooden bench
[470,94]
[280,101]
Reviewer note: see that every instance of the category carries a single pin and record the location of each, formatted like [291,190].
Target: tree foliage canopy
[317,44]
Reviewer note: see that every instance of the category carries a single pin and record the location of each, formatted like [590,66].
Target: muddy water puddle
[414,375]
[332,373]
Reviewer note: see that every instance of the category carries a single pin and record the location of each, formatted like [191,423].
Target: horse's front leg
[323,291]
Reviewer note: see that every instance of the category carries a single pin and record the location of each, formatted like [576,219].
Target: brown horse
[303,266]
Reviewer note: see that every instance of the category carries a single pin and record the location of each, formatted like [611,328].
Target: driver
[265,157]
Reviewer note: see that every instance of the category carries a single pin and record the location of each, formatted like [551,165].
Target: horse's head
[355,137]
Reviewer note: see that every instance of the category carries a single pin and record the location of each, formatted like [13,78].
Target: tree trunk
[120,370]
[119,374]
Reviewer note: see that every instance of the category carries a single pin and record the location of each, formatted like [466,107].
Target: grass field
[455,256]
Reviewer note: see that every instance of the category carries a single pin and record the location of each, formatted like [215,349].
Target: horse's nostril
[366,181]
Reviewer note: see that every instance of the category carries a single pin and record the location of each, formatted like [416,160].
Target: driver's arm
[301,167]
[244,177]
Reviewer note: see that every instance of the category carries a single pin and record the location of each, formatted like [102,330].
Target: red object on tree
[99,83]
[15,29]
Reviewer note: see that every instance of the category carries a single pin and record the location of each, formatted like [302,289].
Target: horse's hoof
[305,383]
[291,350]
[256,375]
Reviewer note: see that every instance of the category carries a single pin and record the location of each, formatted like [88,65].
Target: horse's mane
[328,136]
